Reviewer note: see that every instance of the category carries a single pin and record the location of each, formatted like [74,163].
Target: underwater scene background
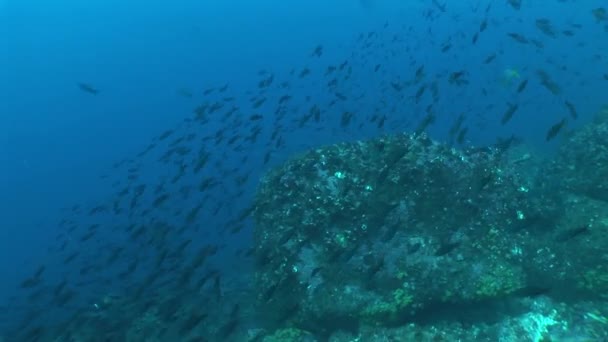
[364,170]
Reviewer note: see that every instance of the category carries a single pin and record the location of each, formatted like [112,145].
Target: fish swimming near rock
[555,129]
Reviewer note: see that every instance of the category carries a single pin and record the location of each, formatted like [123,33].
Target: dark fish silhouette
[509,113]
[516,4]
[439,6]
[555,129]
[522,86]
[484,25]
[519,38]
[548,83]
[571,109]
[87,88]
[545,26]
[318,51]
[489,59]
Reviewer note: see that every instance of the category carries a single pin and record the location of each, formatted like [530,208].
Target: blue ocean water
[151,63]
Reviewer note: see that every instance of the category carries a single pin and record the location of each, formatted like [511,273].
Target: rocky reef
[402,231]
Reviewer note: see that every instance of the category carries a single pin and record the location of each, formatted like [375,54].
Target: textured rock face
[582,162]
[377,233]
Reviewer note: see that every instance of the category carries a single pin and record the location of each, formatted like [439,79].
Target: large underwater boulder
[581,164]
[386,231]
[580,172]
